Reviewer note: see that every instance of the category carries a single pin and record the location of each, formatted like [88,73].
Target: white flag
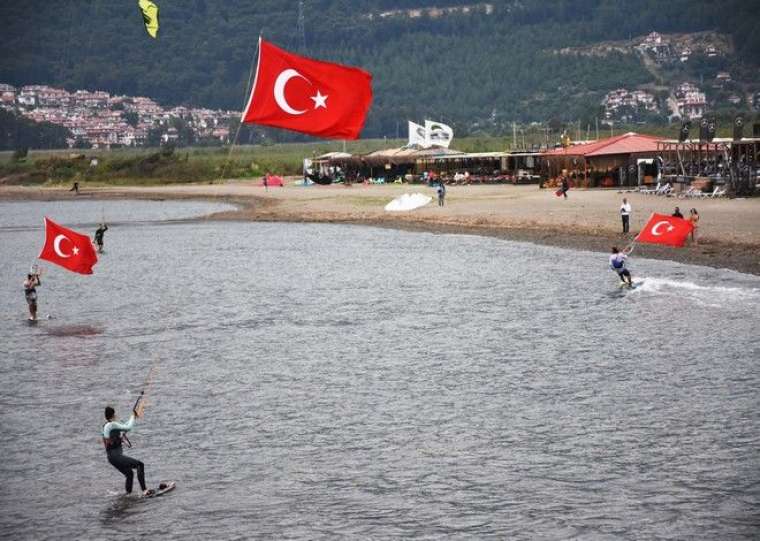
[438,134]
[417,135]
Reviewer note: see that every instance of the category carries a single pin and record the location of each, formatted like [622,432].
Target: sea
[318,381]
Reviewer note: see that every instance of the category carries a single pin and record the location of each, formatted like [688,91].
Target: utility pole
[596,122]
[514,135]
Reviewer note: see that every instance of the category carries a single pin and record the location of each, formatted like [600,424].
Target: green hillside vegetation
[476,71]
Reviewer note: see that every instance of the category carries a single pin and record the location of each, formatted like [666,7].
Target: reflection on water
[339,381]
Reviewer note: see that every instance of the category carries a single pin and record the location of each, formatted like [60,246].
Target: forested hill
[478,68]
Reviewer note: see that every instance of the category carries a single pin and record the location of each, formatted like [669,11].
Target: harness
[115,439]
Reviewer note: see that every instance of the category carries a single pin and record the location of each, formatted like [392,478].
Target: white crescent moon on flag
[57,245]
[279,90]
[656,226]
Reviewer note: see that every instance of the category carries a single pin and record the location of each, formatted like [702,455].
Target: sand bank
[589,219]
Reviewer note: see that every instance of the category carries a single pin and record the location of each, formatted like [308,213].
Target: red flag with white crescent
[67,248]
[662,229]
[308,96]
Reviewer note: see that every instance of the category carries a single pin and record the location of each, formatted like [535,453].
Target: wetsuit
[99,237]
[617,263]
[112,432]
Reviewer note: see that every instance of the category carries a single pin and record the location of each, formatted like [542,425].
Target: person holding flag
[30,291]
[617,264]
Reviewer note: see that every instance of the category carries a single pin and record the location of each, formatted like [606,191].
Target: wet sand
[729,234]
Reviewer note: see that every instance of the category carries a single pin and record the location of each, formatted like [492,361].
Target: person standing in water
[113,434]
[30,292]
[617,263]
[99,237]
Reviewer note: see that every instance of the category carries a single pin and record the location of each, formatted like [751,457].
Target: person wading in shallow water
[30,292]
[113,435]
[99,237]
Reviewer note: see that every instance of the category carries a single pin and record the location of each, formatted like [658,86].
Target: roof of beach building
[627,143]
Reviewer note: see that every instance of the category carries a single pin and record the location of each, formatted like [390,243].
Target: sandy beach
[729,234]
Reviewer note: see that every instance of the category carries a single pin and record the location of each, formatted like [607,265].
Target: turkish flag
[308,96]
[67,248]
[662,229]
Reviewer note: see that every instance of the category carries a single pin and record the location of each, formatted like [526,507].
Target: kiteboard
[163,488]
[634,285]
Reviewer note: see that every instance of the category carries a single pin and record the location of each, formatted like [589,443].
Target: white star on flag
[319,100]
[75,250]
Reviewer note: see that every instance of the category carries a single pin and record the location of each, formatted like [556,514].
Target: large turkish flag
[308,96]
[662,229]
[67,248]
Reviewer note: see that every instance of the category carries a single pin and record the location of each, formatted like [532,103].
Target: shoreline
[362,206]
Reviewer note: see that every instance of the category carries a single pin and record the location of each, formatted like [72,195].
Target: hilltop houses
[692,103]
[624,104]
[101,120]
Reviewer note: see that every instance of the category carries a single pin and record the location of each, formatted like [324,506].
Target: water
[320,381]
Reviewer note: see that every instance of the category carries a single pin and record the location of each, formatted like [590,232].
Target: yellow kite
[150,17]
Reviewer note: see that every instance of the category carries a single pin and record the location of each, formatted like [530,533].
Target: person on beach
[30,292]
[266,182]
[617,264]
[441,193]
[99,237]
[75,188]
[694,219]
[113,434]
[565,187]
[625,214]
[677,213]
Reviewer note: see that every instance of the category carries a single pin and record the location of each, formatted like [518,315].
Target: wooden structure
[610,162]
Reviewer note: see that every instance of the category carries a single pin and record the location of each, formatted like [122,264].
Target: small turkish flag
[662,229]
[67,248]
[308,96]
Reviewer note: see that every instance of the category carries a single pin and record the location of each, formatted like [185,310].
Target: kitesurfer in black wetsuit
[112,440]
[99,237]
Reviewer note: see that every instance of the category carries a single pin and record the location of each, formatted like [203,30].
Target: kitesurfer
[99,237]
[617,263]
[30,292]
[113,434]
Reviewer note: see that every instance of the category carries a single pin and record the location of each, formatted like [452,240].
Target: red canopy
[628,143]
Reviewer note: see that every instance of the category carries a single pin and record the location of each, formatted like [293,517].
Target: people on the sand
[625,214]
[677,213]
[694,219]
[99,236]
[564,187]
[30,292]
[441,193]
[75,188]
[113,434]
[617,264]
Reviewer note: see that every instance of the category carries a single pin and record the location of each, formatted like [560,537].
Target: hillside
[478,66]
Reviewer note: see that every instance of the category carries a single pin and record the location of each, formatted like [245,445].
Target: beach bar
[612,162]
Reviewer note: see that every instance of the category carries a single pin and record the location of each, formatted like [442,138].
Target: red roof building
[606,162]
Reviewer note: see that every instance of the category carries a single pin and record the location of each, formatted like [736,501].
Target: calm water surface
[320,381]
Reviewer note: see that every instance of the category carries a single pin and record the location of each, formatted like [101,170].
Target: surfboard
[163,488]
